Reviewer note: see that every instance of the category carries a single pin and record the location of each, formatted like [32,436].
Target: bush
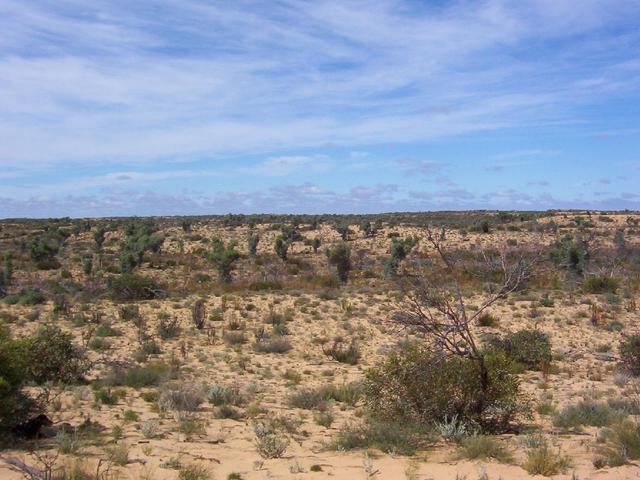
[194,472]
[587,413]
[273,345]
[487,320]
[340,257]
[389,437]
[344,354]
[138,377]
[600,284]
[418,387]
[630,353]
[223,257]
[621,444]
[530,348]
[544,461]
[269,442]
[482,447]
[181,397]
[129,286]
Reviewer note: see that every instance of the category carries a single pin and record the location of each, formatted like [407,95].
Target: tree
[435,306]
[366,228]
[99,236]
[399,251]
[343,230]
[340,256]
[315,243]
[253,239]
[223,257]
[281,247]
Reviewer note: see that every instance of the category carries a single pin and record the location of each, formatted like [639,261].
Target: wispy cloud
[99,94]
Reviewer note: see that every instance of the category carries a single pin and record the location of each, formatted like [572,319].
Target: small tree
[436,307]
[315,243]
[253,239]
[99,236]
[366,228]
[223,257]
[343,230]
[399,251]
[281,247]
[340,256]
[198,314]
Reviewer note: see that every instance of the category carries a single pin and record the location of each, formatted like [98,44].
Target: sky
[185,107]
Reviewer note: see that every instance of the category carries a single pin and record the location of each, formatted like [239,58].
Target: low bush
[621,444]
[389,437]
[482,447]
[417,387]
[129,286]
[630,354]
[349,354]
[587,413]
[543,460]
[273,345]
[529,348]
[600,284]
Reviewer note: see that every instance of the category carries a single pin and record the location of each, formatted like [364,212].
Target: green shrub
[487,320]
[621,444]
[389,437]
[129,286]
[600,284]
[543,460]
[340,257]
[587,413]
[137,377]
[223,258]
[530,348]
[194,472]
[418,387]
[630,353]
[482,447]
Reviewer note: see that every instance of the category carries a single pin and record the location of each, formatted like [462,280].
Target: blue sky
[202,107]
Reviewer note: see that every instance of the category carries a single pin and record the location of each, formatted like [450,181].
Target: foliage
[418,386]
[340,257]
[600,284]
[571,254]
[630,353]
[223,258]
[130,286]
[281,248]
[530,348]
[253,239]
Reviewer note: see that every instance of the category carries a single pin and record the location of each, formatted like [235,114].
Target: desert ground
[269,384]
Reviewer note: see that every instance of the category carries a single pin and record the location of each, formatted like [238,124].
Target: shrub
[194,472]
[308,398]
[129,286]
[273,345]
[530,348]
[587,413]
[281,248]
[252,243]
[487,320]
[223,395]
[138,377]
[223,257]
[621,444]
[228,412]
[340,257]
[630,353]
[344,354]
[482,447]
[600,284]
[544,461]
[199,314]
[418,387]
[269,442]
[181,397]
[389,437]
